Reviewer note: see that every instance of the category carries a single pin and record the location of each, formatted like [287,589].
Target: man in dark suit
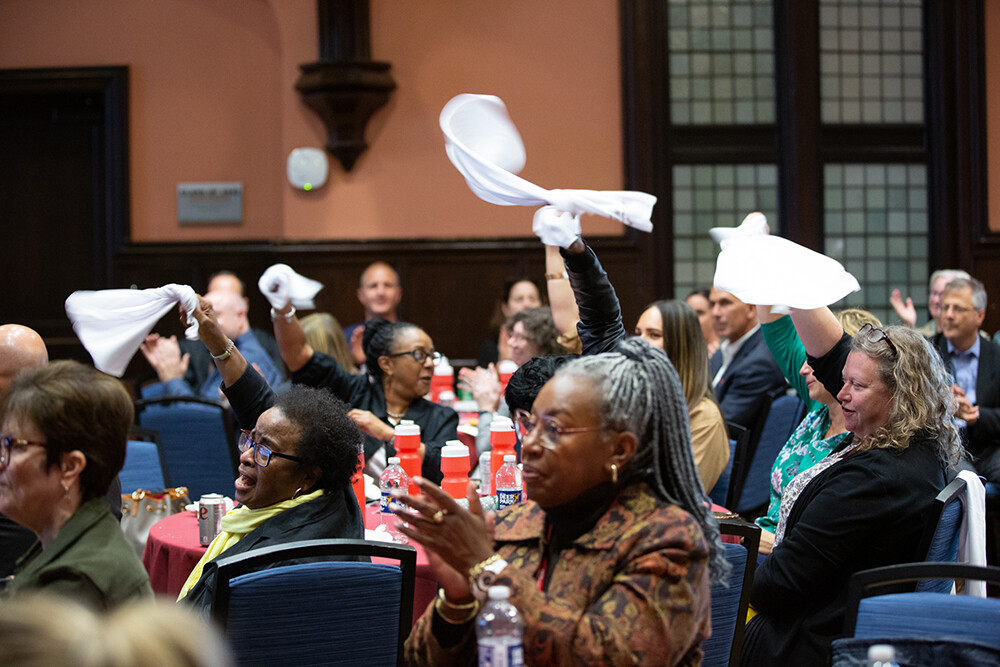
[743,370]
[975,364]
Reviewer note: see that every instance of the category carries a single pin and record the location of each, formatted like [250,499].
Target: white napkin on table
[112,323]
[768,270]
[280,284]
[483,144]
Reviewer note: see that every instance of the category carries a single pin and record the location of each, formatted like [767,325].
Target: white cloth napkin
[555,227]
[280,284]
[766,270]
[755,224]
[485,147]
[972,536]
[112,323]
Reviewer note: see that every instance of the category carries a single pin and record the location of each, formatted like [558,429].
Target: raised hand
[906,312]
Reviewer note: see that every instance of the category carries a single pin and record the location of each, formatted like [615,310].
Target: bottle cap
[454,449]
[446,395]
[501,424]
[444,367]
[499,592]
[509,458]
[507,366]
[393,460]
[406,429]
[881,653]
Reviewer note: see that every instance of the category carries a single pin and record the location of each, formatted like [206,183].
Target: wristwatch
[482,575]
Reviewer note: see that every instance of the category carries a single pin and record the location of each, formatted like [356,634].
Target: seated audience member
[743,370]
[164,355]
[908,314]
[974,362]
[671,326]
[610,559]
[323,333]
[65,428]
[517,295]
[867,504]
[698,300]
[391,390]
[379,292]
[56,632]
[294,484]
[822,429]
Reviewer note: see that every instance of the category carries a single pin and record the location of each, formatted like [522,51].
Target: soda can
[211,508]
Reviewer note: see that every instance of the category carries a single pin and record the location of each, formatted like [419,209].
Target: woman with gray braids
[610,559]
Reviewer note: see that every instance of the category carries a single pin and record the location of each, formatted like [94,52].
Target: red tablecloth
[173,550]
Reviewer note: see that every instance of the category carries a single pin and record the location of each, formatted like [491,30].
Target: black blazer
[751,376]
[983,436]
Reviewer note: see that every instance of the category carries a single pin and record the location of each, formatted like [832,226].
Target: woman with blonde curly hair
[867,503]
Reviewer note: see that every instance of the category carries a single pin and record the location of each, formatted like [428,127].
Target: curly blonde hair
[922,400]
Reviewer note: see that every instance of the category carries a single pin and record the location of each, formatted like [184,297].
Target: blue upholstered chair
[738,437]
[731,599]
[143,467]
[317,612]
[940,541]
[197,439]
[931,628]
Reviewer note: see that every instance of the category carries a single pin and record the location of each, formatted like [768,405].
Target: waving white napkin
[755,224]
[555,227]
[112,323]
[483,144]
[280,284]
[772,270]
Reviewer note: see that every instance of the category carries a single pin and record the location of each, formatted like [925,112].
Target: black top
[600,327]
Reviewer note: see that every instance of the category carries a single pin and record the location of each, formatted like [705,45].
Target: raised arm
[564,310]
[818,330]
[295,351]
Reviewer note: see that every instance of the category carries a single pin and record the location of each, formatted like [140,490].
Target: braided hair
[377,342]
[642,394]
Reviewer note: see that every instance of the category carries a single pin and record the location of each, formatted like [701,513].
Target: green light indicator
[307,187]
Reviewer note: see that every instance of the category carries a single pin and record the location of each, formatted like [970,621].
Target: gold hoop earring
[614,473]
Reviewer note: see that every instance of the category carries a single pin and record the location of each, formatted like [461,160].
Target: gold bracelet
[470,609]
[230,346]
[557,276]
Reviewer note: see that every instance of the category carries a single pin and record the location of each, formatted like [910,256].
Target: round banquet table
[173,549]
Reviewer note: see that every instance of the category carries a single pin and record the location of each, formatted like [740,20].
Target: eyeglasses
[420,356]
[551,431]
[7,445]
[261,453]
[874,335]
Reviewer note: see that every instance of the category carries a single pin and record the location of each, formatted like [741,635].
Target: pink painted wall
[212,99]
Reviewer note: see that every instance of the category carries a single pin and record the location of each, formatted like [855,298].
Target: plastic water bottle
[455,466]
[882,655]
[407,442]
[502,439]
[483,472]
[498,631]
[508,482]
[393,477]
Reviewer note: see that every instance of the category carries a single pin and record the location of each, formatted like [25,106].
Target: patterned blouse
[634,589]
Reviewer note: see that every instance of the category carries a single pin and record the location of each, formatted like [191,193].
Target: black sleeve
[249,397]
[600,326]
[829,368]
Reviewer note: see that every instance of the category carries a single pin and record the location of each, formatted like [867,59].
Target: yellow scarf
[235,526]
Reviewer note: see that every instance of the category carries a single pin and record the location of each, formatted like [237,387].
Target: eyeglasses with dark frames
[7,445]
[874,335]
[261,453]
[551,430]
[419,355]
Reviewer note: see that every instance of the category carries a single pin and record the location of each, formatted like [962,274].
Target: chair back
[753,491]
[143,467]
[940,539]
[292,603]
[738,437]
[731,598]
[197,440]
[927,615]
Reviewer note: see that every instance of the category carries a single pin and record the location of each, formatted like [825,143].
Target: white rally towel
[112,323]
[755,224]
[972,536]
[766,270]
[280,284]
[483,144]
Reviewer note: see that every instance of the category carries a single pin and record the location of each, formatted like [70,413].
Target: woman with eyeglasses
[294,483]
[610,559]
[867,504]
[64,433]
[401,359]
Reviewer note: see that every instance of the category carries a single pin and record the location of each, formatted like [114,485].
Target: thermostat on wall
[307,168]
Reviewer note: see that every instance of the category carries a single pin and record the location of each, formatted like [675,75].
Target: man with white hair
[935,291]
[164,354]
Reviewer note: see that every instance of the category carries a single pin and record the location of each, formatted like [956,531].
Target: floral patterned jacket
[632,590]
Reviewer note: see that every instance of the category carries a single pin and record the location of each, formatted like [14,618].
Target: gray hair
[950,274]
[641,393]
[978,290]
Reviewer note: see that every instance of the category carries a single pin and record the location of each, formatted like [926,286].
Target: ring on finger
[438,516]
